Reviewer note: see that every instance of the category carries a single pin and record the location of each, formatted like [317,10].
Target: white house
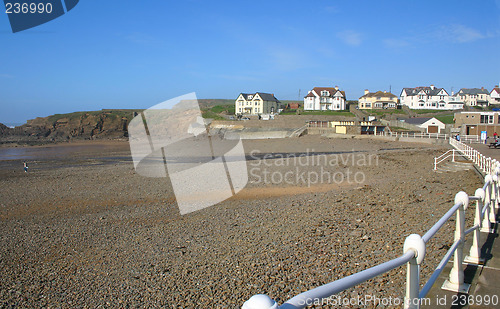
[429,98]
[474,96]
[431,125]
[495,95]
[256,103]
[325,98]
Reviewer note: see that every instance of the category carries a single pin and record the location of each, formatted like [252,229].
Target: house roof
[497,89]
[331,90]
[473,91]
[378,94]
[264,96]
[417,120]
[427,90]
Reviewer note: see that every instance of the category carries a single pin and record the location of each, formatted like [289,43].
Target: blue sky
[134,54]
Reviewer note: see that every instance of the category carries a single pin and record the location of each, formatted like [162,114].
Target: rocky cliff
[105,124]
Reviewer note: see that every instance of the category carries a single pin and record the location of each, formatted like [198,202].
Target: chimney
[482,88]
[336,87]
[366,91]
[432,87]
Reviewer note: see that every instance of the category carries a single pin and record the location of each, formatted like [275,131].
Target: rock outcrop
[105,124]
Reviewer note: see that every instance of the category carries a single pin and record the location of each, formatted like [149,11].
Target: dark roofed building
[429,98]
[256,103]
[474,96]
[430,125]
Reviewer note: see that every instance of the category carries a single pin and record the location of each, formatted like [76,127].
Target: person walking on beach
[25,166]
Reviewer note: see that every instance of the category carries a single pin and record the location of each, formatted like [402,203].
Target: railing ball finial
[488,178]
[417,244]
[480,194]
[462,197]
[260,301]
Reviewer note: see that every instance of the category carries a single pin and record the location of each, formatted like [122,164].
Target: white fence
[463,138]
[486,201]
[485,164]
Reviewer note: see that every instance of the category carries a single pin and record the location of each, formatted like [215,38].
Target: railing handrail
[435,228]
[304,299]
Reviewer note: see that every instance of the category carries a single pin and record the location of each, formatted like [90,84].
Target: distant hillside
[209,103]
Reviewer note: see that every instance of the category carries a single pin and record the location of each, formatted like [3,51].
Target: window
[325,93]
[250,97]
[368,104]
[486,119]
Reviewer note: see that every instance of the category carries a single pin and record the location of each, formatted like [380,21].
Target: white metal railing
[414,135]
[485,164]
[487,200]
[464,138]
[445,156]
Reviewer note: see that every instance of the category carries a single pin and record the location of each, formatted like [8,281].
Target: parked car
[245,118]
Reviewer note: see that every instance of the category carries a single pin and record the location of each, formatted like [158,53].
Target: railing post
[474,256]
[494,198]
[453,158]
[416,243]
[485,226]
[456,281]
[497,185]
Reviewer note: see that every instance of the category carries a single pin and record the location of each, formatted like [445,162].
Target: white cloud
[457,33]
[350,37]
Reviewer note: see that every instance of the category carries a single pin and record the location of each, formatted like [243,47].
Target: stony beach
[82,229]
